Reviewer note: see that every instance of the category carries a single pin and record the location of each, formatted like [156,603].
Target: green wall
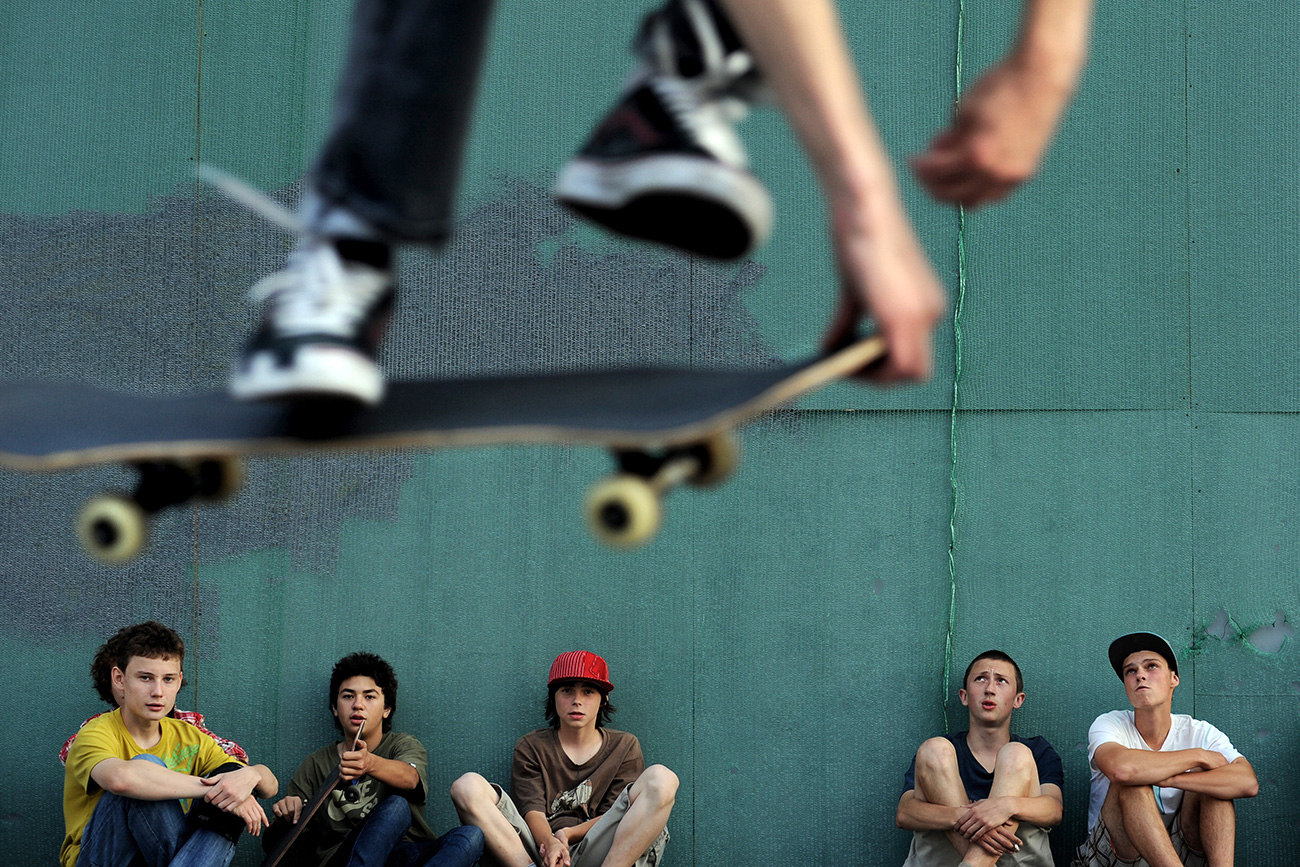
[1116,451]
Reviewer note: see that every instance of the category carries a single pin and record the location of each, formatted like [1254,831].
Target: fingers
[289,808]
[959,177]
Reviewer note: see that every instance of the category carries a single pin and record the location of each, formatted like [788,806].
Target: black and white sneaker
[323,319]
[665,164]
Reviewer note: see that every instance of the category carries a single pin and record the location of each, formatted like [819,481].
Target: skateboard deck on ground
[666,426]
[276,855]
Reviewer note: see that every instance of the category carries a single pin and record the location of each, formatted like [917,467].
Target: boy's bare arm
[145,781]
[800,49]
[915,814]
[1128,767]
[1044,810]
[1234,780]
[1007,119]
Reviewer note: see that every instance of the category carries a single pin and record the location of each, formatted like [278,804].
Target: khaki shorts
[933,849]
[1096,851]
[595,845]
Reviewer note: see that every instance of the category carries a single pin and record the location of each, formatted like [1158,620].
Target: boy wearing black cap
[1162,783]
[983,796]
[582,793]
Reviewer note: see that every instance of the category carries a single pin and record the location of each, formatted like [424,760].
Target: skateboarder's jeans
[401,114]
[125,831]
[377,842]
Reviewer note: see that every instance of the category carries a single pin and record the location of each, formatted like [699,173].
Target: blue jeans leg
[402,113]
[459,847]
[370,843]
[128,832]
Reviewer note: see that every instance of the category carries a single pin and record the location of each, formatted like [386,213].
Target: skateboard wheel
[112,529]
[217,478]
[623,511]
[719,456]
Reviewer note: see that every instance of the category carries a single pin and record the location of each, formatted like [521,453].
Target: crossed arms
[1196,770]
[231,791]
[990,823]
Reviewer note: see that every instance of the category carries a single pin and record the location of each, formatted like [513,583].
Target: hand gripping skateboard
[276,855]
[665,426]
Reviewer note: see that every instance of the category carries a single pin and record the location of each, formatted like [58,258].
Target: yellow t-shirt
[182,748]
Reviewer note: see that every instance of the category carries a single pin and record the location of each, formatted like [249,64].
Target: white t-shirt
[1118,727]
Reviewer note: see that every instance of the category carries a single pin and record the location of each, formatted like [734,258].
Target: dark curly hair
[365,665]
[150,639]
[602,716]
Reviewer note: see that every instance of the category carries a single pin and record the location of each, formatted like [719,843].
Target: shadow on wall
[155,302]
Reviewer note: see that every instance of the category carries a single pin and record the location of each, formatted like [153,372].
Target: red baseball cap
[580,665]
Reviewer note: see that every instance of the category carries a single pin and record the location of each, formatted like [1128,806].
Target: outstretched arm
[1005,122]
[800,49]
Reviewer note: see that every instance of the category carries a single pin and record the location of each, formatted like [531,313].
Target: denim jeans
[401,114]
[377,842]
[128,832]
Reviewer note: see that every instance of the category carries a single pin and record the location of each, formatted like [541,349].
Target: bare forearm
[267,785]
[800,49]
[398,774]
[1044,811]
[1054,38]
[145,781]
[537,823]
[574,833]
[1127,767]
[1234,780]
[917,815]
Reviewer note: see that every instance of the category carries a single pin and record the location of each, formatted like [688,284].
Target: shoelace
[316,291]
[706,116]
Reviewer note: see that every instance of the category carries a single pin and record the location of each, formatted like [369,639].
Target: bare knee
[935,754]
[1016,761]
[472,790]
[657,783]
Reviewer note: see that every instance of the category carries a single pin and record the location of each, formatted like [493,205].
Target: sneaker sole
[328,373]
[691,203]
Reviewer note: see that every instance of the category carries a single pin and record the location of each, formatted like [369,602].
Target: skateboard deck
[666,425]
[276,855]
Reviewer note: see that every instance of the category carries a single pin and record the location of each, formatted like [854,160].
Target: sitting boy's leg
[1135,828]
[506,838]
[370,843]
[1209,826]
[459,847]
[1015,775]
[634,831]
[124,830]
[938,781]
[157,833]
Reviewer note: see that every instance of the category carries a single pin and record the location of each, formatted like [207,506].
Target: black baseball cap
[1121,647]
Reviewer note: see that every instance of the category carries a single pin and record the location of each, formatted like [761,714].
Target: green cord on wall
[956,381]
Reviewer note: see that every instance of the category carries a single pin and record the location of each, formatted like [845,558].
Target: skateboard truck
[114,528]
[625,509]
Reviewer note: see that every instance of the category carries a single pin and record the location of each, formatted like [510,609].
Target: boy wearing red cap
[581,792]
[1162,783]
